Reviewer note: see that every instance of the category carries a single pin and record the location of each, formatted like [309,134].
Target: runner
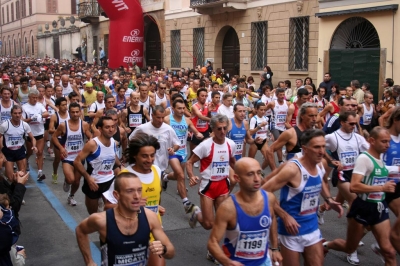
[367,111]
[369,209]
[160,96]
[246,217]
[226,108]
[51,109]
[109,105]
[302,97]
[90,96]
[144,97]
[214,105]
[279,109]
[332,107]
[192,94]
[119,228]
[6,104]
[33,114]
[55,120]
[135,115]
[69,140]
[21,94]
[13,132]
[181,125]
[301,183]
[96,106]
[259,128]
[66,85]
[100,155]
[216,155]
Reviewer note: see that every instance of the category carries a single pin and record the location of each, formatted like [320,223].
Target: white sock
[39,171]
[185,200]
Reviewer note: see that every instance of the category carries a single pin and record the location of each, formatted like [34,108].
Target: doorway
[153,45]
[231,53]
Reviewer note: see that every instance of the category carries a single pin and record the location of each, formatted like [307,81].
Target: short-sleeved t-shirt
[96,106]
[35,113]
[214,158]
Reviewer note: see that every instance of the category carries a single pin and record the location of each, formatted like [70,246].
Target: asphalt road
[48,224]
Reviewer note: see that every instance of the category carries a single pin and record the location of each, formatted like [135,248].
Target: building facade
[358,40]
[21,19]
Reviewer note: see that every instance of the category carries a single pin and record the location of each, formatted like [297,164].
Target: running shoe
[193,217]
[353,258]
[188,206]
[345,205]
[377,250]
[54,177]
[50,152]
[66,187]
[71,201]
[196,164]
[41,177]
[211,258]
[360,244]
[164,183]
[23,202]
[320,217]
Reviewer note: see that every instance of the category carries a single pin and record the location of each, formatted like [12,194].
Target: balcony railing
[198,3]
[89,9]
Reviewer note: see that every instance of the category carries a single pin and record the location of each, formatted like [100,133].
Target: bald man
[247,219]
[66,86]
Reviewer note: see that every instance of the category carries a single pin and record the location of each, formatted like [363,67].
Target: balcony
[90,11]
[210,7]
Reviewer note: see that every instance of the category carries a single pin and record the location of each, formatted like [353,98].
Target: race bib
[395,176]
[135,120]
[5,115]
[348,159]
[34,119]
[368,118]
[153,208]
[135,259]
[106,167]
[377,181]
[14,143]
[252,245]
[239,147]
[74,147]
[219,171]
[182,142]
[309,204]
[280,120]
[201,124]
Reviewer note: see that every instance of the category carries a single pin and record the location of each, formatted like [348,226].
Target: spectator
[387,103]
[309,81]
[366,87]
[269,75]
[103,58]
[358,93]
[83,51]
[327,83]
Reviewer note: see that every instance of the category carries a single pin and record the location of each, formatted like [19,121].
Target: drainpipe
[392,41]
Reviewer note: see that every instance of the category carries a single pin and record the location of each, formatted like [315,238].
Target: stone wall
[278,37]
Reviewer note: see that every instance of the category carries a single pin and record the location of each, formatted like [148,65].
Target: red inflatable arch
[126,32]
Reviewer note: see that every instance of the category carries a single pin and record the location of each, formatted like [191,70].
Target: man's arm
[159,235]
[89,147]
[249,139]
[97,117]
[273,231]
[224,216]
[52,122]
[90,225]
[193,128]
[189,169]
[86,130]
[146,114]
[328,108]
[289,116]
[277,145]
[196,112]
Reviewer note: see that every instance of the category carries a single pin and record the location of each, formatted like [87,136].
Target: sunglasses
[222,128]
[351,124]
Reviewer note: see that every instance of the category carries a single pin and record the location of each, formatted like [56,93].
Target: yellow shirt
[89,99]
[191,98]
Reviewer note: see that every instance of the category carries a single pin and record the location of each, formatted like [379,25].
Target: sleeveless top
[302,202]
[201,125]
[120,105]
[336,110]
[280,113]
[117,138]
[13,137]
[160,100]
[23,97]
[347,152]
[297,147]
[293,122]
[60,120]
[366,118]
[191,98]
[237,134]
[392,157]
[101,162]
[121,249]
[146,103]
[66,90]
[49,109]
[262,132]
[378,177]
[5,112]
[248,242]
[181,130]
[73,141]
[135,119]
[320,104]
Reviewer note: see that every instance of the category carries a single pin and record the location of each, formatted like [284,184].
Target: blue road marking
[64,214]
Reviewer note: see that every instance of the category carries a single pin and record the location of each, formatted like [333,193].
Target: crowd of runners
[127,133]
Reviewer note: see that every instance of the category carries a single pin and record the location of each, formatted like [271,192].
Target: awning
[357,10]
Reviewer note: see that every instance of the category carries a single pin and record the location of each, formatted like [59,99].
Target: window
[32,45]
[259,39]
[23,8]
[30,8]
[298,43]
[175,48]
[51,6]
[12,11]
[74,5]
[17,10]
[198,47]
[8,14]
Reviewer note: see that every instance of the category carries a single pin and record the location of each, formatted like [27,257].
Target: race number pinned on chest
[309,204]
[135,120]
[106,167]
[219,171]
[201,124]
[252,245]
[14,143]
[74,147]
[348,159]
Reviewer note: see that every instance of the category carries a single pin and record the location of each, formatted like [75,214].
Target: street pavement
[48,224]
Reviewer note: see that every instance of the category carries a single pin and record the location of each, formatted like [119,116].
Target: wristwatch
[164,249]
